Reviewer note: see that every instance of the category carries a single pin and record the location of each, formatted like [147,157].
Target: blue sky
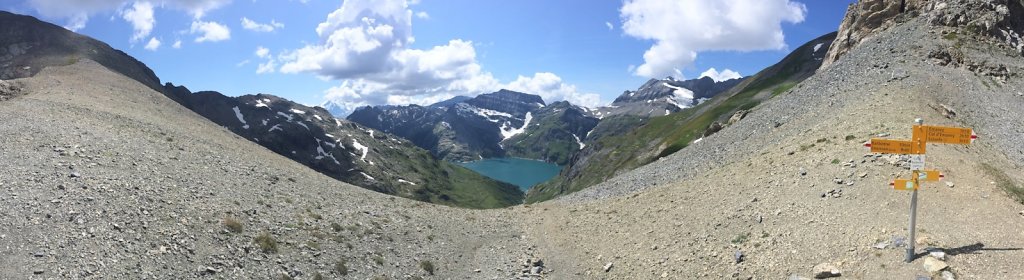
[391,51]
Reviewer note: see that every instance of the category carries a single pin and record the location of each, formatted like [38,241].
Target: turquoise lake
[524,173]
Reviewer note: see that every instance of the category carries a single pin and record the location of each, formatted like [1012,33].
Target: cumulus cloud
[270,63]
[210,31]
[140,15]
[550,87]
[681,29]
[266,67]
[261,27]
[153,44]
[262,52]
[77,13]
[725,75]
[365,44]
[609,25]
[177,44]
[422,15]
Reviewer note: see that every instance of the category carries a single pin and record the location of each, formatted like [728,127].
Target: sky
[372,52]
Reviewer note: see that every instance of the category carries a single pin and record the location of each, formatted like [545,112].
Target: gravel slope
[687,215]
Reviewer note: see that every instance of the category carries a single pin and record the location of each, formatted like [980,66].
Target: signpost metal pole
[913,206]
[913,221]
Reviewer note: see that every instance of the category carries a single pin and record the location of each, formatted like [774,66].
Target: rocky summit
[107,174]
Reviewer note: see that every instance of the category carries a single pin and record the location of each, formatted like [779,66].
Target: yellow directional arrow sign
[931,175]
[904,184]
[948,135]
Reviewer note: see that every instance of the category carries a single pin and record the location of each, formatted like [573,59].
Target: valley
[108,172]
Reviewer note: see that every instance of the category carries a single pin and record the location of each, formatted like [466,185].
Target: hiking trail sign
[915,148]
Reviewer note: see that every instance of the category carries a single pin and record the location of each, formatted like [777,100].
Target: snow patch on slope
[680,96]
[262,103]
[508,132]
[407,182]
[578,142]
[289,116]
[238,114]
[361,148]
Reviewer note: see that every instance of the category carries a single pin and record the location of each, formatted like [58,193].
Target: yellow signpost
[921,135]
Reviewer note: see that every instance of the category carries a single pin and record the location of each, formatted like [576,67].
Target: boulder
[825,270]
[933,265]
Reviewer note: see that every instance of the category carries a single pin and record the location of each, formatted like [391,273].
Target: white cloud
[365,45]
[262,52]
[725,75]
[242,63]
[153,44]
[609,25]
[77,13]
[550,87]
[210,31]
[177,44]
[422,15]
[140,15]
[681,29]
[261,27]
[266,67]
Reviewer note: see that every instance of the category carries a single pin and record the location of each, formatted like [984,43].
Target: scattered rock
[940,255]
[803,172]
[881,245]
[825,270]
[946,111]
[838,181]
[75,175]
[950,184]
[39,254]
[738,256]
[947,275]
[835,193]
[607,267]
[38,271]
[739,115]
[933,265]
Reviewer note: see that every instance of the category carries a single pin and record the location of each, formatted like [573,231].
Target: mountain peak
[29,45]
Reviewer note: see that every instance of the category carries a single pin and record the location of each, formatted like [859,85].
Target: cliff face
[1002,20]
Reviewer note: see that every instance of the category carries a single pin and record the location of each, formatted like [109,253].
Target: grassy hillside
[614,154]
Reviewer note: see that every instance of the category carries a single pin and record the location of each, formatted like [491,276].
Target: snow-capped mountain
[474,128]
[662,97]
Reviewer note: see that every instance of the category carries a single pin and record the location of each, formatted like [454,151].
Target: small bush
[341,267]
[266,242]
[427,266]
[336,227]
[233,225]
[849,137]
[378,259]
[740,239]
[835,161]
